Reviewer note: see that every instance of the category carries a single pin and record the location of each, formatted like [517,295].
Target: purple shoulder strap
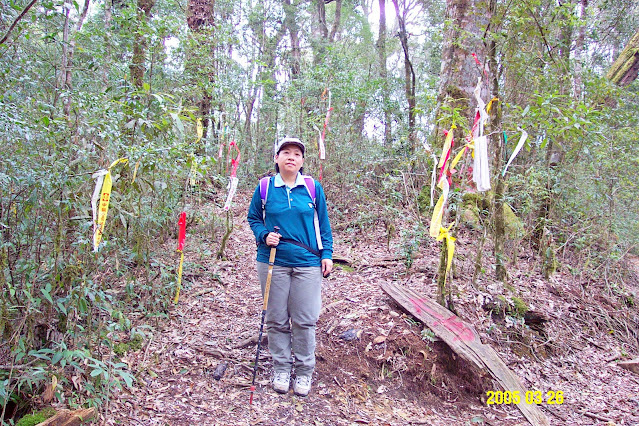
[264,187]
[310,184]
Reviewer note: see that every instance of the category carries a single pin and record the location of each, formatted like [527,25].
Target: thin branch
[541,32]
[15,21]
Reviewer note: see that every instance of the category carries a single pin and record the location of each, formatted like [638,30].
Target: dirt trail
[391,374]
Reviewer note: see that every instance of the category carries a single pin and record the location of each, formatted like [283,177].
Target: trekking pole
[271,261]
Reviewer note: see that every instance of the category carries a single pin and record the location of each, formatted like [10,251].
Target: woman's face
[290,159]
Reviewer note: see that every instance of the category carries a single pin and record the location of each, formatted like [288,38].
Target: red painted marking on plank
[460,330]
[452,324]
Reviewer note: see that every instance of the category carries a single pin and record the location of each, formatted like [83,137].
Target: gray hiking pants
[294,304]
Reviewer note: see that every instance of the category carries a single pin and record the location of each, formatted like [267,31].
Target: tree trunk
[336,22]
[409,75]
[137,67]
[626,67]
[458,79]
[321,19]
[497,142]
[68,57]
[321,35]
[108,17]
[383,72]
[293,31]
[542,239]
[462,36]
[61,79]
[264,72]
[579,49]
[200,20]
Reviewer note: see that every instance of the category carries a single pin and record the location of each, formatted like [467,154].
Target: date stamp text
[529,397]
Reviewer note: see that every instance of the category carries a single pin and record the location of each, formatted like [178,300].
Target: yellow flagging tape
[447,143]
[179,279]
[135,171]
[490,104]
[436,229]
[450,245]
[459,155]
[192,173]
[436,220]
[105,195]
[200,129]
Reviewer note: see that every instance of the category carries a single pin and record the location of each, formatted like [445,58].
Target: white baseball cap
[289,141]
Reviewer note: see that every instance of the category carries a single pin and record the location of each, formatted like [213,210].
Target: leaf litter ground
[375,364]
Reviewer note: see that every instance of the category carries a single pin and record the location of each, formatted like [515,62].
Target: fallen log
[69,418]
[632,365]
[463,340]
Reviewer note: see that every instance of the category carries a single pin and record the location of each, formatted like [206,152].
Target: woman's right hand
[273,239]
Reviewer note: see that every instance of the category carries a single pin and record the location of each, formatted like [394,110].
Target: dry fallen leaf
[77,382]
[49,392]
[379,339]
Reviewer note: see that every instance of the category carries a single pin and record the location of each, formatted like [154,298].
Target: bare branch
[15,21]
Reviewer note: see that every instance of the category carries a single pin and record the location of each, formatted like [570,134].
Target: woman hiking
[297,205]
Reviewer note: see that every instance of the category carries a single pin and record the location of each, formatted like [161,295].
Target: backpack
[309,184]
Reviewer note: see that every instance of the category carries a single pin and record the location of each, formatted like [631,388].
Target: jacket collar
[299,180]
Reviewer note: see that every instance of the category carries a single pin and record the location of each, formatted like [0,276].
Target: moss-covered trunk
[497,141]
[626,67]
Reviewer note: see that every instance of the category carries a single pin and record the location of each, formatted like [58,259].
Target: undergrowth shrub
[61,302]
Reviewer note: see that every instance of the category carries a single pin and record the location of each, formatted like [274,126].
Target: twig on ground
[596,416]
[146,352]
[555,413]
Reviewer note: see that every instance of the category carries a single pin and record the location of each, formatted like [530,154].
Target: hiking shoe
[281,381]
[302,385]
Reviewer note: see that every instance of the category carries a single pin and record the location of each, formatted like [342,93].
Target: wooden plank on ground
[69,418]
[632,365]
[463,340]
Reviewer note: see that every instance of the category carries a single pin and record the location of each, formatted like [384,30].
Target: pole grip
[271,262]
[267,289]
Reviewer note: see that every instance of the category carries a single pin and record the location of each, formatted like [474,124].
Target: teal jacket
[292,210]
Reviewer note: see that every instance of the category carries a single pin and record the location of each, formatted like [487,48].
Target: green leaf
[40,355]
[82,306]
[544,142]
[46,293]
[128,378]
[178,123]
